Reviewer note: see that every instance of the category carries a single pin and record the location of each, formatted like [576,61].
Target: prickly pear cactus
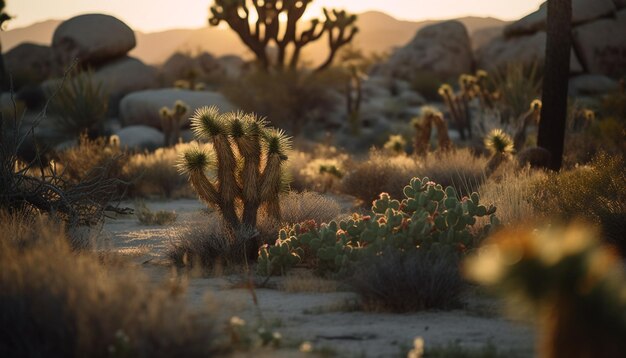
[428,218]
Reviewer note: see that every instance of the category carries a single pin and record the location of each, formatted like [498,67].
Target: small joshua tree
[171,122]
[248,160]
[501,147]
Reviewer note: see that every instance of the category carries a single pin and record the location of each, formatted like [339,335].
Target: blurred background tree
[4,17]
[264,23]
[551,134]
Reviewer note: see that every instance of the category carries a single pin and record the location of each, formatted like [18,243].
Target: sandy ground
[328,320]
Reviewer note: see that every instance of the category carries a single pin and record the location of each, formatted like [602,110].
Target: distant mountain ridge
[379,32]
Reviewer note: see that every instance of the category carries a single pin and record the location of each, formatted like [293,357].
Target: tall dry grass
[55,302]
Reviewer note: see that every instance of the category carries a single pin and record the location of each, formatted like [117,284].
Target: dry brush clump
[155,174]
[56,302]
[381,173]
[32,187]
[320,168]
[206,242]
[401,281]
[595,192]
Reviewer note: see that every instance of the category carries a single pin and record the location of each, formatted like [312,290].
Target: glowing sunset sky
[154,15]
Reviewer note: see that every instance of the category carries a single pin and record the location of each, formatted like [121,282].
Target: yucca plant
[172,120]
[248,160]
[80,106]
[501,147]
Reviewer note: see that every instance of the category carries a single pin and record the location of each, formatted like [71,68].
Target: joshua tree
[269,29]
[3,71]
[551,134]
[172,120]
[355,64]
[248,160]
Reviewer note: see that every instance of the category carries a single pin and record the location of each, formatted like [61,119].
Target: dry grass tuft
[58,303]
[381,173]
[156,174]
[512,194]
[306,281]
[404,282]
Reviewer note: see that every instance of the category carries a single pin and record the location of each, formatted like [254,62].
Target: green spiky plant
[423,128]
[172,119]
[501,147]
[248,159]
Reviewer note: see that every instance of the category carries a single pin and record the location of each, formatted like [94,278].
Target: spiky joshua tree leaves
[501,147]
[247,161]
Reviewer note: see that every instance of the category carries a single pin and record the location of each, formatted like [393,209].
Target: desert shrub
[512,193]
[567,279]
[400,281]
[289,98]
[306,281]
[428,218]
[80,106]
[58,303]
[149,217]
[596,192]
[80,162]
[459,169]
[31,187]
[379,173]
[156,174]
[206,243]
[320,170]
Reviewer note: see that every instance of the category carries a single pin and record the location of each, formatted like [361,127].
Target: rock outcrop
[92,39]
[443,49]
[143,107]
[599,39]
[28,64]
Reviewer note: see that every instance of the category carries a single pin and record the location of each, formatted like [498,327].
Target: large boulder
[443,49]
[28,64]
[523,50]
[140,138]
[143,107]
[117,78]
[583,11]
[202,67]
[592,85]
[126,75]
[602,45]
[93,39]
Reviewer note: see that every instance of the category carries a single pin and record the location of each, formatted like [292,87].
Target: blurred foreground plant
[575,286]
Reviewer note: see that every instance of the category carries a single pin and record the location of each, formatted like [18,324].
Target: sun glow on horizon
[143,15]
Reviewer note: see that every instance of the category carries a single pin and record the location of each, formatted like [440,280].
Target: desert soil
[330,321]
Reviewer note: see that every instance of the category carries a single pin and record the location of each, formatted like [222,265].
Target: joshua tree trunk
[551,135]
